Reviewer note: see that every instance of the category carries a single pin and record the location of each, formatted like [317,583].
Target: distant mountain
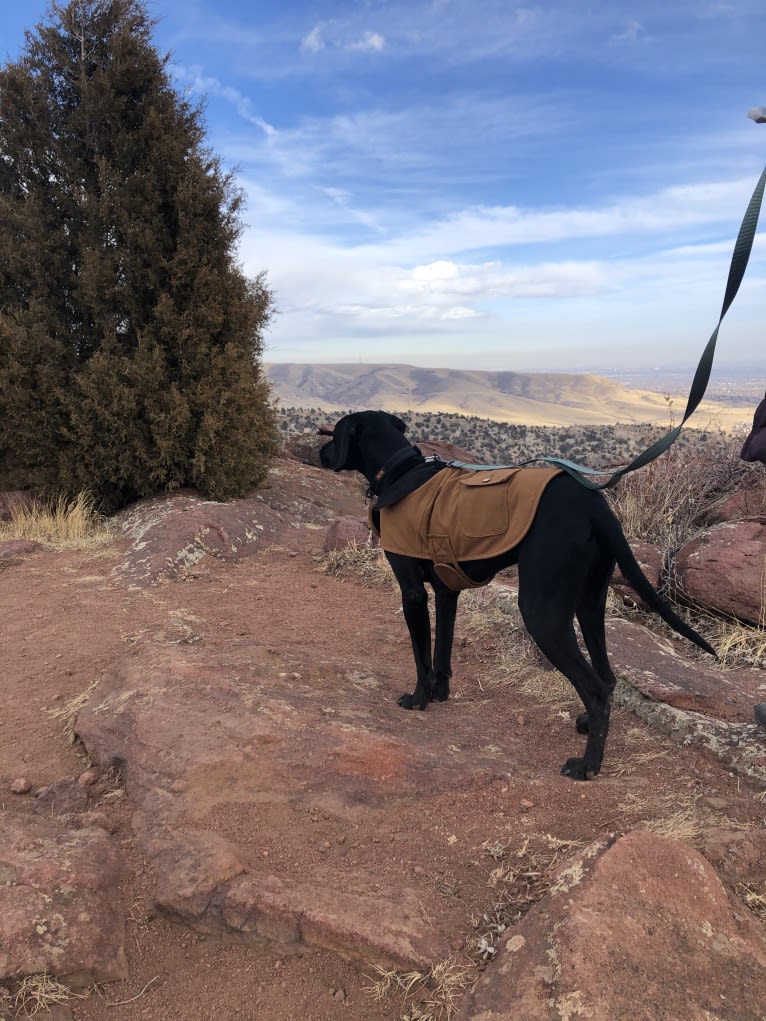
[531,398]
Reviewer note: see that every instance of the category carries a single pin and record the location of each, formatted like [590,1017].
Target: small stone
[525,803]
[760,713]
[339,994]
[21,785]
[88,778]
[99,819]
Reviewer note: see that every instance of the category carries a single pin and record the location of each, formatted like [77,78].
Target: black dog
[564,561]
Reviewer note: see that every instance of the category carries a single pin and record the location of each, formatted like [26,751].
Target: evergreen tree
[130,339]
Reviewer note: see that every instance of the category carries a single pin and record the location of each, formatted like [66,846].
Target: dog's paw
[575,768]
[582,724]
[407,701]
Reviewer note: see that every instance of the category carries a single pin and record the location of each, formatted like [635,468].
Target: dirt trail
[345,792]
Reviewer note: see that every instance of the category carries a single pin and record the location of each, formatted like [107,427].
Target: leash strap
[739,260]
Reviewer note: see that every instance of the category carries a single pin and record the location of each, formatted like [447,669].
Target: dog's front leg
[410,575]
[446,611]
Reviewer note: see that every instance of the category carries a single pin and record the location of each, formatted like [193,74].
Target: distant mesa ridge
[531,398]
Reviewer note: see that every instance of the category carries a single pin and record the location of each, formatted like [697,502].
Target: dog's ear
[400,424]
[343,435]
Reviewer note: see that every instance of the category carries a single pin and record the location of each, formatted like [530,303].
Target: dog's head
[343,452]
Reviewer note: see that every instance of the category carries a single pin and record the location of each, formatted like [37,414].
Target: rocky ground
[249,827]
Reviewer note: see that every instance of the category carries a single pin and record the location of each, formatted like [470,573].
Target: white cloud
[342,200]
[435,272]
[444,281]
[665,211]
[634,32]
[205,85]
[332,298]
[371,42]
[313,42]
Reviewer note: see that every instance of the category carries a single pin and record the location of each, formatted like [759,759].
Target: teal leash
[739,261]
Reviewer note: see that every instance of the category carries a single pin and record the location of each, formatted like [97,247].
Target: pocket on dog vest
[480,506]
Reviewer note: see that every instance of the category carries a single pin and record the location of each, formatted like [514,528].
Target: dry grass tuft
[520,879]
[491,623]
[736,643]
[60,522]
[549,688]
[40,992]
[67,712]
[438,990]
[674,814]
[490,620]
[661,502]
[366,561]
[629,762]
[754,895]
[683,826]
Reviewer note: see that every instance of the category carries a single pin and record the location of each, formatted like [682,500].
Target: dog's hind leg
[548,612]
[591,610]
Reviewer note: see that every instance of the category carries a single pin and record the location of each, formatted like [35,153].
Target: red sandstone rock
[643,929]
[174,532]
[723,569]
[346,531]
[446,451]
[13,547]
[747,502]
[660,669]
[58,910]
[65,795]
[293,755]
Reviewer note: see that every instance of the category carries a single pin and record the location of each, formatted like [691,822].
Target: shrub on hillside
[662,502]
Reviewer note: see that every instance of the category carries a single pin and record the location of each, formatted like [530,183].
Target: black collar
[397,465]
[402,475]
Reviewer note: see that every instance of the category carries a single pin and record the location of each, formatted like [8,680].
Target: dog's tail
[610,528]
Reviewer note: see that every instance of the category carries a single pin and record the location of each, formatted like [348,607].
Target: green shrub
[130,339]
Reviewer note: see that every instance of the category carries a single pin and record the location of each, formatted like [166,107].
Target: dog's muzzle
[327,455]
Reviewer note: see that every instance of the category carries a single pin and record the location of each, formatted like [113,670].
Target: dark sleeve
[754,448]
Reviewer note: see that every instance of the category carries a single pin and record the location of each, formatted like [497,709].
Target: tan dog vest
[464,514]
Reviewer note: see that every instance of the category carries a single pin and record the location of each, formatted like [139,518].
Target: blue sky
[481,184]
